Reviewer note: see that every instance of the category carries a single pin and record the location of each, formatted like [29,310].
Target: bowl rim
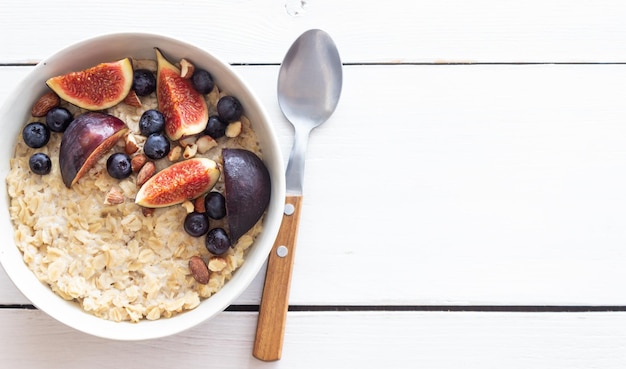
[52,304]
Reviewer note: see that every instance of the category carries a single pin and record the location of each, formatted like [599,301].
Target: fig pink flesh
[95,88]
[181,181]
[185,110]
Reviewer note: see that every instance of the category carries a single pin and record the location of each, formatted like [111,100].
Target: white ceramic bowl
[16,111]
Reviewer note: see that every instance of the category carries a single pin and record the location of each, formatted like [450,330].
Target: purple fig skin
[87,138]
[247,190]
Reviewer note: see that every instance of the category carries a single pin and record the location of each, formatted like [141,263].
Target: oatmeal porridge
[92,244]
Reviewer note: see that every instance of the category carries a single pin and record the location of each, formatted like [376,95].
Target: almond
[132,99]
[186,68]
[175,153]
[114,196]
[198,205]
[233,129]
[45,103]
[131,146]
[190,151]
[205,143]
[147,212]
[189,206]
[145,173]
[137,162]
[199,270]
[187,140]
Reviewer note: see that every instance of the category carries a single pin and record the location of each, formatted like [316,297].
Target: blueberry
[215,127]
[202,81]
[157,146]
[58,119]
[144,82]
[215,205]
[40,163]
[217,241]
[36,135]
[229,109]
[196,224]
[118,165]
[151,121]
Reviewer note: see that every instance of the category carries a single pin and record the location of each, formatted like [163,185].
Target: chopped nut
[199,270]
[188,205]
[214,96]
[114,196]
[186,141]
[145,173]
[147,212]
[217,264]
[45,103]
[205,143]
[233,129]
[137,162]
[198,205]
[186,68]
[132,99]
[131,144]
[190,151]
[175,153]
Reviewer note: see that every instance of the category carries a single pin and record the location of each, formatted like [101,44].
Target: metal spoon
[309,85]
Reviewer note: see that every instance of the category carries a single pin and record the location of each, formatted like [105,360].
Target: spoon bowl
[308,91]
[309,86]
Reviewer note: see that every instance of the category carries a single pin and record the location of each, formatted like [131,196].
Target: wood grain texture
[270,331]
[513,176]
[365,31]
[337,340]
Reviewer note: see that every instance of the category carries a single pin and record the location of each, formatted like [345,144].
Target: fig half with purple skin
[85,141]
[247,190]
[185,109]
[184,180]
[95,88]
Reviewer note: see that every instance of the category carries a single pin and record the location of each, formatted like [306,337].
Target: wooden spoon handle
[268,343]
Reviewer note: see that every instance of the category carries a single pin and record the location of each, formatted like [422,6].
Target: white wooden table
[465,207]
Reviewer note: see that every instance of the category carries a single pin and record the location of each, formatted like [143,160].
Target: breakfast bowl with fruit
[143,186]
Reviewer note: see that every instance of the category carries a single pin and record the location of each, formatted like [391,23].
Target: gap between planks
[405,308]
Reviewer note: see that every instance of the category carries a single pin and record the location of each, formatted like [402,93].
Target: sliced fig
[95,88]
[185,110]
[185,180]
[247,190]
[87,139]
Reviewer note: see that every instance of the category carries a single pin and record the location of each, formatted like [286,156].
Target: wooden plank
[365,31]
[512,177]
[337,340]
